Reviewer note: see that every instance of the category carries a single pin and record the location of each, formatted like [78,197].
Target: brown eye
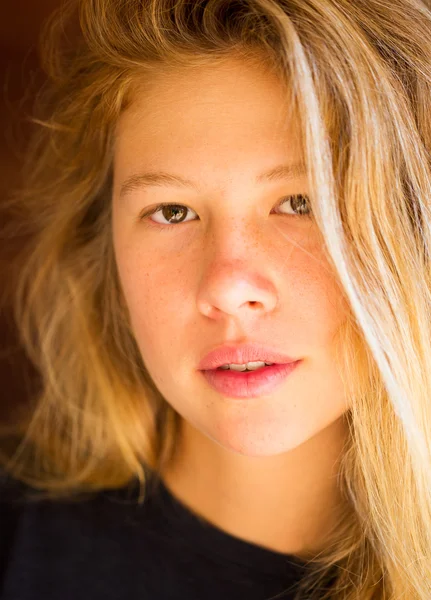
[170,214]
[299,203]
[174,213]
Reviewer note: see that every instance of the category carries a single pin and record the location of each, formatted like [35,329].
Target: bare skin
[237,269]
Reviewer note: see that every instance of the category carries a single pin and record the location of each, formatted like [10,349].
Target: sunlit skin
[239,268]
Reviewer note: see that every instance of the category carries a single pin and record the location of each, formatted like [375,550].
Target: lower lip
[250,384]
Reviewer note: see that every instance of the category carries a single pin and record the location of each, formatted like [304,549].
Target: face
[232,262]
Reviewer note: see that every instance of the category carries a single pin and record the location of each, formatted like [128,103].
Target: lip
[254,384]
[241,354]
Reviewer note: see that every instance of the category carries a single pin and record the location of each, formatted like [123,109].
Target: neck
[287,503]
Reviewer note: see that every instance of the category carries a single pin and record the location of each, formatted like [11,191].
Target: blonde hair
[359,76]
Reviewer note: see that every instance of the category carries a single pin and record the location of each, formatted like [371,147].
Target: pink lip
[241,354]
[236,384]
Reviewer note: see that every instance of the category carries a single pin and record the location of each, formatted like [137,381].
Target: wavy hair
[359,75]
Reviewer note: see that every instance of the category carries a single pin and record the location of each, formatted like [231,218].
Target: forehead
[228,118]
[235,96]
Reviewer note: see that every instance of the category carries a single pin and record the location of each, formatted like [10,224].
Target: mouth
[248,384]
[251,356]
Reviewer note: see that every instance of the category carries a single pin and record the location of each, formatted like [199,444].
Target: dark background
[20,79]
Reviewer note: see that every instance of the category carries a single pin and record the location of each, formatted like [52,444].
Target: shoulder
[11,490]
[12,493]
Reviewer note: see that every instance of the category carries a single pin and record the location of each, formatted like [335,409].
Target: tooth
[251,366]
[255,365]
[238,367]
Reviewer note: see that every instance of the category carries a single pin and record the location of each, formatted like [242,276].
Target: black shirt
[109,547]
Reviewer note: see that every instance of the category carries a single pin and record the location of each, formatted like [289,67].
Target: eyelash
[152,211]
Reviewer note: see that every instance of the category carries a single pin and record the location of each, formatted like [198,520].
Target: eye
[176,213]
[299,204]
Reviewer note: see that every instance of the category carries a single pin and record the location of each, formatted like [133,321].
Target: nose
[238,289]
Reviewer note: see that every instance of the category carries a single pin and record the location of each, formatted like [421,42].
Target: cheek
[329,309]
[157,294]
[314,306]
[312,303]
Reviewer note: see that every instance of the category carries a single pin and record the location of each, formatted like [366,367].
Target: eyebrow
[161,178]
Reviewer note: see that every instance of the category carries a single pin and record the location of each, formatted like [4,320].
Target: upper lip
[241,354]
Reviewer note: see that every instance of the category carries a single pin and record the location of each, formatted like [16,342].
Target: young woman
[227,292]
